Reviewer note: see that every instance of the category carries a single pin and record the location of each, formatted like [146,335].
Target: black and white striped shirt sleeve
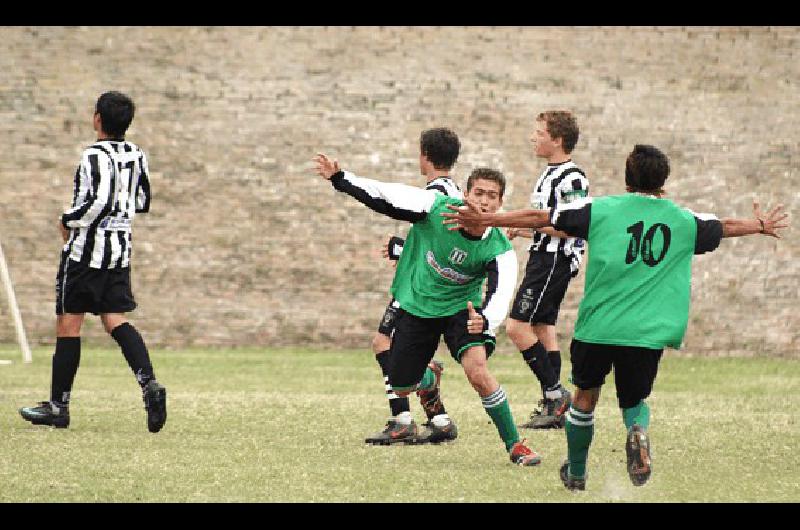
[501,277]
[95,194]
[143,191]
[398,201]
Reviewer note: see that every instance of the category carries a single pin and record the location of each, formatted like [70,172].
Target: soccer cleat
[46,413]
[395,433]
[571,483]
[155,402]
[637,447]
[436,435]
[523,456]
[551,414]
[429,399]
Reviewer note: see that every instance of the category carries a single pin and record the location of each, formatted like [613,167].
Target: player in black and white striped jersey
[111,186]
[439,148]
[554,259]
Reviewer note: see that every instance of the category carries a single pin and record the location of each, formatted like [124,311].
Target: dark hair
[440,146]
[116,113]
[646,169]
[561,124]
[484,173]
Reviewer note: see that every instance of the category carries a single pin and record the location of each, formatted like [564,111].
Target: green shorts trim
[489,344]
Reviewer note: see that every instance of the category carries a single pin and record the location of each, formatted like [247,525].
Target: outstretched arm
[767,224]
[472,218]
[398,201]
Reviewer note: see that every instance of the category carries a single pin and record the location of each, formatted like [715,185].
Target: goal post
[12,302]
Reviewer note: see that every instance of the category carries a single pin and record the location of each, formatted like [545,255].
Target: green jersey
[440,270]
[638,277]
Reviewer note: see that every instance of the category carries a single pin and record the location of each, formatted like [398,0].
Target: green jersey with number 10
[638,278]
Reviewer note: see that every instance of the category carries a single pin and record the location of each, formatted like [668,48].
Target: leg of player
[555,397]
[439,427]
[65,366]
[133,348]
[634,374]
[381,345]
[495,402]
[580,430]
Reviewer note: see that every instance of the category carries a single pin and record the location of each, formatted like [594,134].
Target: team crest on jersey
[447,272]
[457,256]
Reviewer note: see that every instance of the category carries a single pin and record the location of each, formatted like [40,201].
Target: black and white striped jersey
[111,187]
[559,184]
[444,185]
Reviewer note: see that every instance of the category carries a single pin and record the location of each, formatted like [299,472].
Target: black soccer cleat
[571,483]
[436,435]
[46,413]
[551,414]
[637,447]
[155,403]
[395,433]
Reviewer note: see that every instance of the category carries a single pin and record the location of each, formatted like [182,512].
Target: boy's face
[543,144]
[485,195]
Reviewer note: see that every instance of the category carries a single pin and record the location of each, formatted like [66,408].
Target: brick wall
[245,245]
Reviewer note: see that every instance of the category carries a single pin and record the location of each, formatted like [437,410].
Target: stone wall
[245,245]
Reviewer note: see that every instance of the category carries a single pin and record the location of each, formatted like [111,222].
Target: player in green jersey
[636,296]
[438,286]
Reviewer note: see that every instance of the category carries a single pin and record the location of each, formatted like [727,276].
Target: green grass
[288,425]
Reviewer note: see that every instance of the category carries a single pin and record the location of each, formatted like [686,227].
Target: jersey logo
[457,256]
[447,272]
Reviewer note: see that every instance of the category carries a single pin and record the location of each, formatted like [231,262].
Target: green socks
[580,429]
[638,415]
[496,405]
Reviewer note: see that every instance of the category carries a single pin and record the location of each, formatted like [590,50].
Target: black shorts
[386,327]
[635,369]
[542,290]
[416,339]
[82,289]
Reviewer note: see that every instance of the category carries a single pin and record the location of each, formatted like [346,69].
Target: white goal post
[12,302]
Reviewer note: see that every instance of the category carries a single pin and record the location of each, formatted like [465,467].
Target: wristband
[762,225]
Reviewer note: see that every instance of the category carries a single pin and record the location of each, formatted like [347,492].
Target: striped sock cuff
[579,418]
[494,399]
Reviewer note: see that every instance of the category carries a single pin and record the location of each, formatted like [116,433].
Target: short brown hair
[484,173]
[561,124]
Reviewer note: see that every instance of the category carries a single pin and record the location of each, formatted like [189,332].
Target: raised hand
[326,167]
[475,321]
[772,221]
[466,216]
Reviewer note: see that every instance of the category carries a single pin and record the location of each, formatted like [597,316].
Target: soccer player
[111,187]
[636,297]
[438,152]
[554,259]
[438,286]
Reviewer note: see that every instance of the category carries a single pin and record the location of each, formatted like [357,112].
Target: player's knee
[518,331]
[69,325]
[111,321]
[380,343]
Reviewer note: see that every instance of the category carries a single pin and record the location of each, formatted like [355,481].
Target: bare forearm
[740,227]
[552,232]
[520,219]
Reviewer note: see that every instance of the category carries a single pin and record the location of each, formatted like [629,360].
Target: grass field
[288,425]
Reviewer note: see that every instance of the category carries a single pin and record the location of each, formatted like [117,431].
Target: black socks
[135,352]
